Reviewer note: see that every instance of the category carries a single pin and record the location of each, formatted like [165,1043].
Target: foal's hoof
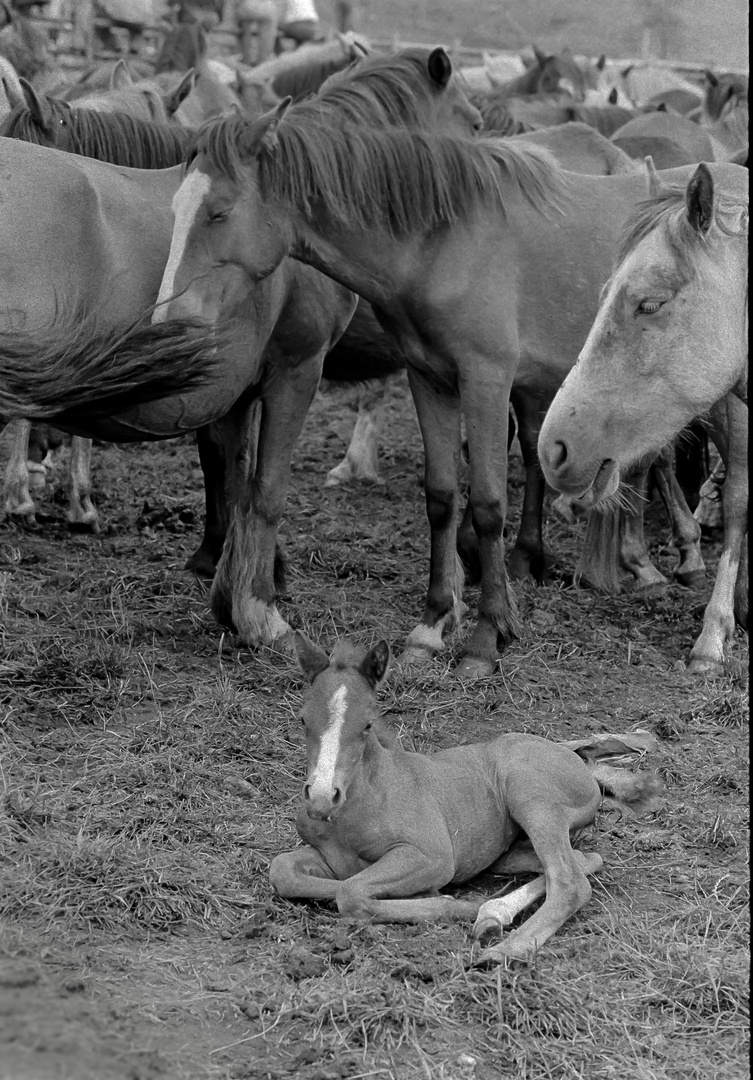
[498,954]
[475,667]
[486,931]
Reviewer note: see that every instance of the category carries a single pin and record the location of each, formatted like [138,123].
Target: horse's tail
[638,792]
[599,562]
[71,370]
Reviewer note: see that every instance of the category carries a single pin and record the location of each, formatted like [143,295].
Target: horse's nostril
[559,454]
[337,797]
[307,792]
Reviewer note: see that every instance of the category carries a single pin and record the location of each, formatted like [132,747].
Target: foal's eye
[367,728]
[649,307]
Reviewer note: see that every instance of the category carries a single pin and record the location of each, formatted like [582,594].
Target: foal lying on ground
[380,823]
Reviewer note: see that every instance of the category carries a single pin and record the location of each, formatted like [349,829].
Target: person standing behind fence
[260,22]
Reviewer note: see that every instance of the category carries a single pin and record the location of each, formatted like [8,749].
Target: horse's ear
[541,57]
[699,199]
[176,97]
[269,138]
[626,71]
[374,665]
[601,62]
[711,78]
[613,96]
[121,76]
[661,107]
[312,659]
[439,66]
[654,180]
[358,49]
[36,105]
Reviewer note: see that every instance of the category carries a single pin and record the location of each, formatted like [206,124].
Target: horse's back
[76,228]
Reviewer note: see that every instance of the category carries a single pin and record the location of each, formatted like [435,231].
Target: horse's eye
[367,728]
[215,217]
[649,307]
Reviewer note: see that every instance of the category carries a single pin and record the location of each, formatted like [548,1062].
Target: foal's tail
[73,370]
[638,792]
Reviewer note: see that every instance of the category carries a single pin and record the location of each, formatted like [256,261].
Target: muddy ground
[151,769]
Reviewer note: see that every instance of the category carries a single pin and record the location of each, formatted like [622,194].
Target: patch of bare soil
[151,768]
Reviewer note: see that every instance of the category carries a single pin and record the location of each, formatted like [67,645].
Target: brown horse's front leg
[439,420]
[485,400]
[248,558]
[527,557]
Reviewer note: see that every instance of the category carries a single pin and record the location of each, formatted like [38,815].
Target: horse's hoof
[414,658]
[486,931]
[475,667]
[201,564]
[700,665]
[24,521]
[692,579]
[91,528]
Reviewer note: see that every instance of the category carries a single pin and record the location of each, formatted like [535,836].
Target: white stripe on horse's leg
[361,459]
[495,914]
[18,500]
[707,655]
[82,514]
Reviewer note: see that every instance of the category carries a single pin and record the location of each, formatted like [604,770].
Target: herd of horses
[373,219]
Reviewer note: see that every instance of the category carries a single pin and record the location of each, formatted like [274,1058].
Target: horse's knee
[352,903]
[282,873]
[488,517]
[440,507]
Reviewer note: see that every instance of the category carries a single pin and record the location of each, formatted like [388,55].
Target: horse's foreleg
[224,448]
[18,500]
[439,420]
[249,561]
[82,513]
[361,459]
[302,874]
[686,531]
[707,655]
[485,398]
[527,556]
[634,556]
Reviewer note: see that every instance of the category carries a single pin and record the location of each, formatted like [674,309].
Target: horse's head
[669,339]
[35,117]
[341,719]
[226,235]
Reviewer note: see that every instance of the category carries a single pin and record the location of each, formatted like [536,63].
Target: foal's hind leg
[686,531]
[18,500]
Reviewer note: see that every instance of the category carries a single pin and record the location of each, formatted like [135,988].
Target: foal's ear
[312,659]
[711,78]
[700,199]
[121,76]
[613,95]
[374,665]
[601,62]
[439,66]
[541,57]
[11,87]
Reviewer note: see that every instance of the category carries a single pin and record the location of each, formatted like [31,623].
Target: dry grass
[151,769]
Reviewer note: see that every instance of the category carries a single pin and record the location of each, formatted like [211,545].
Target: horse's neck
[375,265]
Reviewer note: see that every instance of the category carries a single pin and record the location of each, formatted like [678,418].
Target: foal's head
[341,719]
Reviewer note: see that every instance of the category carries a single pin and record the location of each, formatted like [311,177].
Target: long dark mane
[357,153]
[404,180]
[114,137]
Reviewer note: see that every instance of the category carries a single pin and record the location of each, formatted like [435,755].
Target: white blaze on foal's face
[322,782]
[186,203]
